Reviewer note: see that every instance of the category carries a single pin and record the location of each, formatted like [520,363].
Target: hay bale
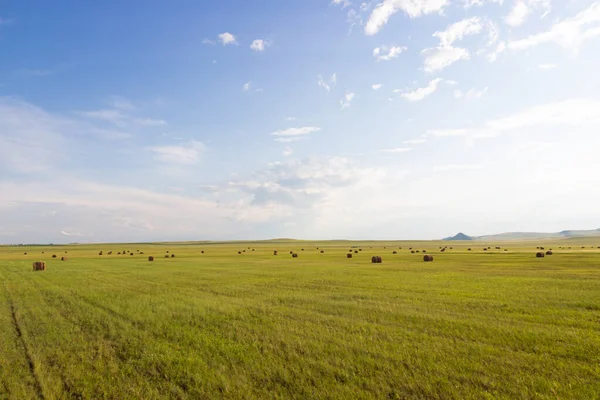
[468,249]
[349,255]
[167,251]
[172,255]
[119,253]
[25,254]
[394,252]
[100,253]
[374,259]
[484,249]
[539,254]
[359,249]
[424,251]
[202,252]
[291,252]
[274,252]
[302,249]
[150,258]
[141,252]
[53,255]
[39,266]
[412,252]
[443,250]
[418,251]
[322,251]
[549,253]
[450,248]
[166,256]
[63,259]
[239,252]
[294,255]
[110,253]
[355,251]
[428,258]
[252,249]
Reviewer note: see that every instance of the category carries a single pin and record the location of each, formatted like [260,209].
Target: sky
[124,121]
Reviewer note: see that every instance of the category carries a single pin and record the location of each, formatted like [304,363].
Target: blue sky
[312,119]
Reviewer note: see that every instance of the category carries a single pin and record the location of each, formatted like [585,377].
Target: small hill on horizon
[529,235]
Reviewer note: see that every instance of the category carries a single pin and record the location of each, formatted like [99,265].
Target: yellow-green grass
[470,325]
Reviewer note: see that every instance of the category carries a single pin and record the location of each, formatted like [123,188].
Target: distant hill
[529,235]
[459,236]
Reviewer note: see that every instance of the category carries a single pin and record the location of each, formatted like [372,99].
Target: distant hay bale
[450,248]
[359,249]
[294,255]
[355,251]
[150,258]
[39,266]
[167,251]
[412,252]
[100,253]
[110,253]
[424,251]
[539,254]
[418,251]
[53,255]
[376,260]
[172,255]
[302,249]
[484,249]
[428,258]
[166,256]
[322,251]
[349,255]
[202,252]
[24,253]
[141,252]
[119,253]
[497,247]
[468,249]
[394,252]
[443,250]
[410,248]
[239,252]
[274,252]
[252,249]
[505,249]
[243,251]
[291,252]
[549,253]
[541,248]
[63,259]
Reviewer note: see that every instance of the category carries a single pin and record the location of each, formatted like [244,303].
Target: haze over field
[300,118]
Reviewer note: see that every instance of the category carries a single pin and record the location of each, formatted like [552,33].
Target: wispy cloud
[377,86]
[187,154]
[384,10]
[397,150]
[456,167]
[347,100]
[470,94]
[65,233]
[327,85]
[247,86]
[307,130]
[383,54]
[421,93]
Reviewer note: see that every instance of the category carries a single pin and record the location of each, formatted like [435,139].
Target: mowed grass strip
[472,324]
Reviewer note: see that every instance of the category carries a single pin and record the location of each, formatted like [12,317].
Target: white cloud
[576,112]
[393,52]
[377,86]
[523,8]
[494,54]
[413,8]
[456,167]
[247,86]
[458,31]
[343,3]
[291,139]
[438,58]
[208,41]
[414,141]
[290,118]
[288,151]
[347,100]
[518,14]
[570,33]
[259,45]
[227,39]
[421,93]
[327,85]
[471,94]
[397,150]
[65,233]
[307,130]
[478,3]
[186,154]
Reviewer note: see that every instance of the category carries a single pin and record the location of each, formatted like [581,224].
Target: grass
[470,325]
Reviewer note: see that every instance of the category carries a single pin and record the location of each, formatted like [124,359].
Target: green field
[470,325]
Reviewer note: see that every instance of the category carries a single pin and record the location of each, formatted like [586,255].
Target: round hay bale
[443,250]
[150,258]
[141,252]
[418,251]
[484,249]
[355,251]
[25,254]
[295,255]
[243,251]
[119,253]
[450,248]
[167,251]
[239,252]
[100,253]
[274,252]
[39,266]
[428,258]
[359,249]
[468,249]
[53,255]
[549,253]
[63,259]
[374,259]
[202,252]
[166,256]
[539,254]
[424,251]
[394,252]
[252,249]
[110,253]
[322,251]
[302,249]
[291,252]
[412,252]
[349,255]
[172,255]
